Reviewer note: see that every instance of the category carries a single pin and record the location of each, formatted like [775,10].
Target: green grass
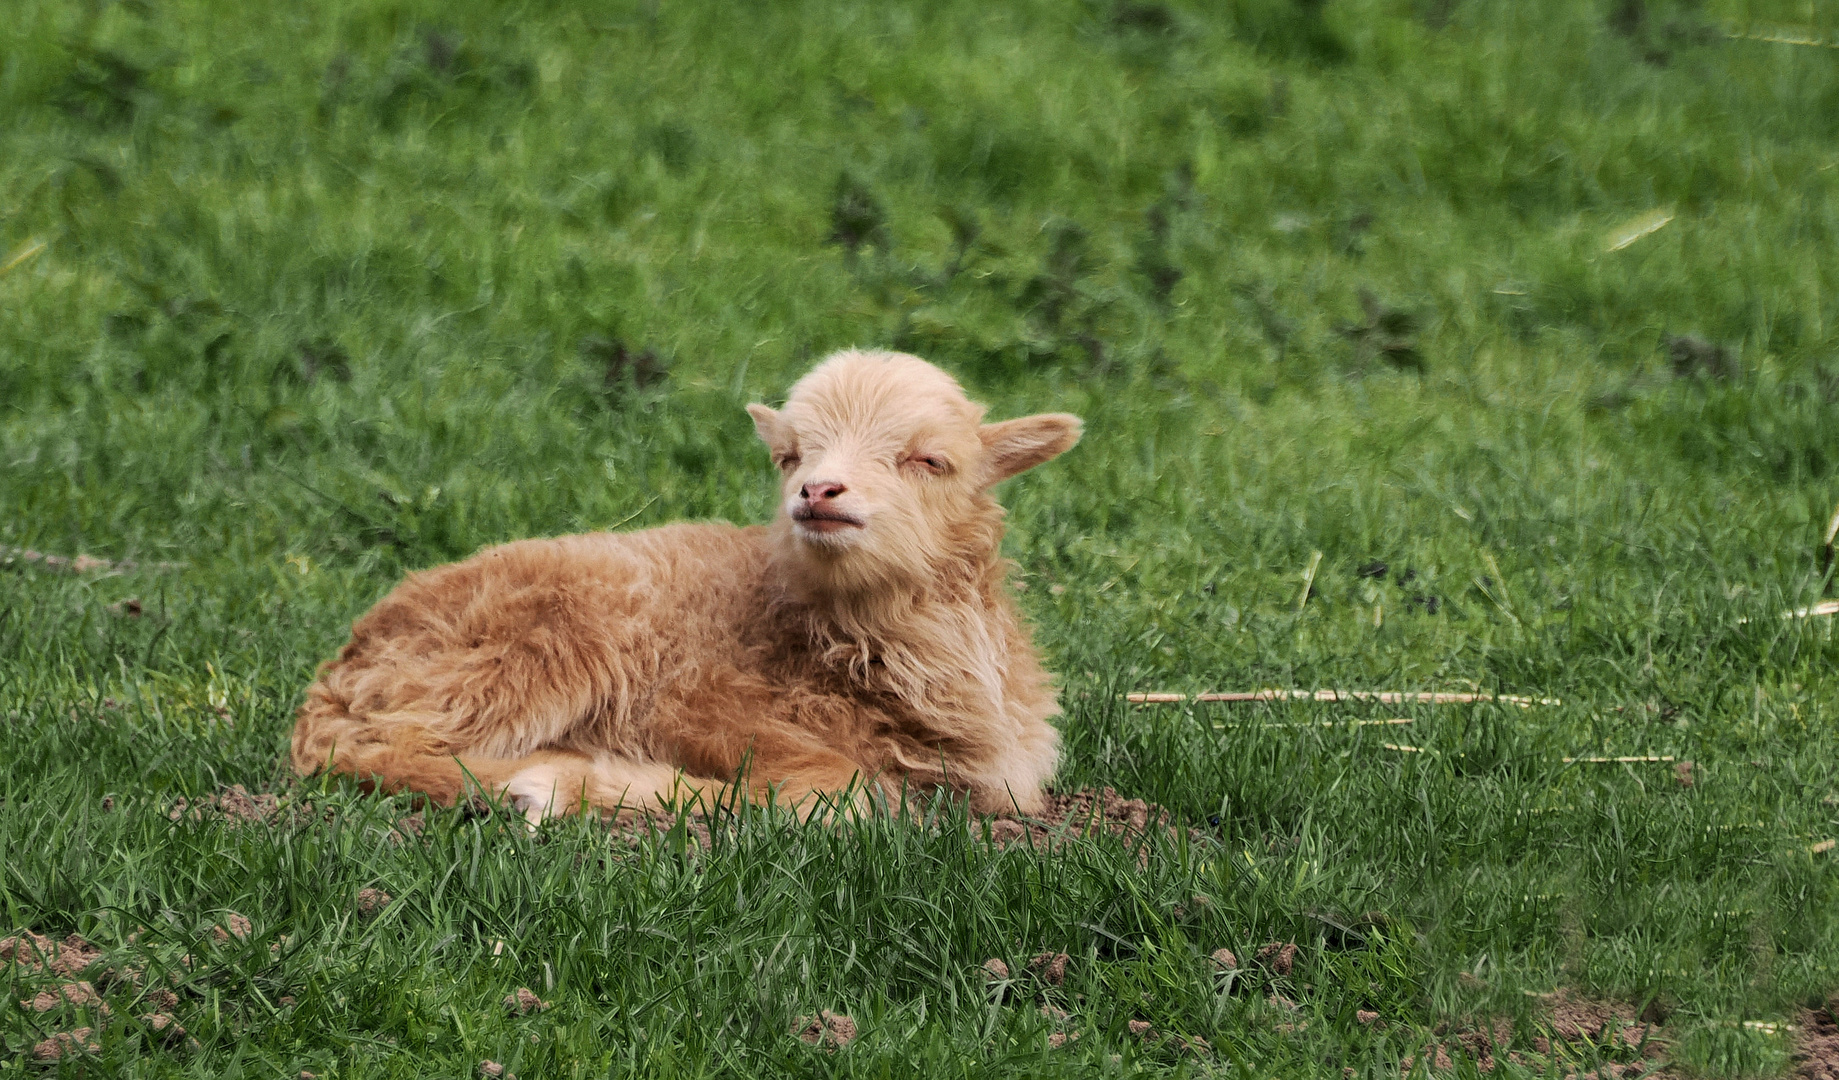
[329,292]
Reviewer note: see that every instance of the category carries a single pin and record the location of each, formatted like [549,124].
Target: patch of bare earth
[233,928]
[831,1030]
[1578,1038]
[234,805]
[73,993]
[1816,1053]
[1086,813]
[63,970]
[632,829]
[35,952]
[78,564]
[66,1044]
[523,1001]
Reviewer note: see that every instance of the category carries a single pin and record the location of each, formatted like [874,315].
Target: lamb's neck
[939,644]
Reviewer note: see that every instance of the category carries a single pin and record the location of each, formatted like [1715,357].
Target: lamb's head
[886,468]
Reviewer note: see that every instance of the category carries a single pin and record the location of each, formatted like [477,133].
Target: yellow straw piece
[1645,225]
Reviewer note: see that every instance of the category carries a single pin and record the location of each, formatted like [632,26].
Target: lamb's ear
[767,423]
[1014,446]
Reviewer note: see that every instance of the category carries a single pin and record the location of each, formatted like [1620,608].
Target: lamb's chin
[831,540]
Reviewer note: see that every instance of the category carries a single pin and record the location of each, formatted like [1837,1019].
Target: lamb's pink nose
[820,490]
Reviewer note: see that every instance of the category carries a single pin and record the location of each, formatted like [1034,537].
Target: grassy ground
[303,296]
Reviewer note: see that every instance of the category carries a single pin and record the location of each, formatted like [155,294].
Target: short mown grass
[1369,292]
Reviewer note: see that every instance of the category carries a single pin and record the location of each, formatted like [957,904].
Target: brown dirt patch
[1050,968]
[234,805]
[67,1044]
[829,1029]
[163,1025]
[1578,1019]
[523,1000]
[1816,1052]
[634,829]
[35,952]
[1576,1030]
[1085,813]
[72,993]
[1279,957]
[372,901]
[234,926]
[78,564]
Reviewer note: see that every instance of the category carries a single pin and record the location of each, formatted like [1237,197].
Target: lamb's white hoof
[532,793]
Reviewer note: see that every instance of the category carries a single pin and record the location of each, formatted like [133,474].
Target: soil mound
[1817,1055]
[1086,813]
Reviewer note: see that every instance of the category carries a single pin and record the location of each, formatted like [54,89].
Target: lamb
[865,645]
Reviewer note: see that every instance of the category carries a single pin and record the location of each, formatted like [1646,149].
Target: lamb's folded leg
[551,783]
[787,767]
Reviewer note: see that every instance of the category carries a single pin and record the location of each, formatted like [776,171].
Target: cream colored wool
[865,641]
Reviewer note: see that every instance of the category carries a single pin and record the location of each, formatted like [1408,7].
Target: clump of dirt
[488,1067]
[35,952]
[1060,1038]
[67,1044]
[1816,1052]
[72,993]
[78,564]
[634,829]
[1184,1044]
[1279,957]
[995,970]
[1223,960]
[372,901]
[1049,967]
[234,926]
[1603,1023]
[1580,1029]
[1479,1045]
[1084,813]
[163,1025]
[831,1030]
[408,828]
[523,1001]
[234,805]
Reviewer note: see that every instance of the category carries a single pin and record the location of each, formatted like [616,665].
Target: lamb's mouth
[824,522]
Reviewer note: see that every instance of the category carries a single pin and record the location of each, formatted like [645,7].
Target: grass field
[1422,344]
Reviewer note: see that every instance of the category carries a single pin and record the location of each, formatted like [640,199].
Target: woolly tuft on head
[885,472]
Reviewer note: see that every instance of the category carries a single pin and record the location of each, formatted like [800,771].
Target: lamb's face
[885,463]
